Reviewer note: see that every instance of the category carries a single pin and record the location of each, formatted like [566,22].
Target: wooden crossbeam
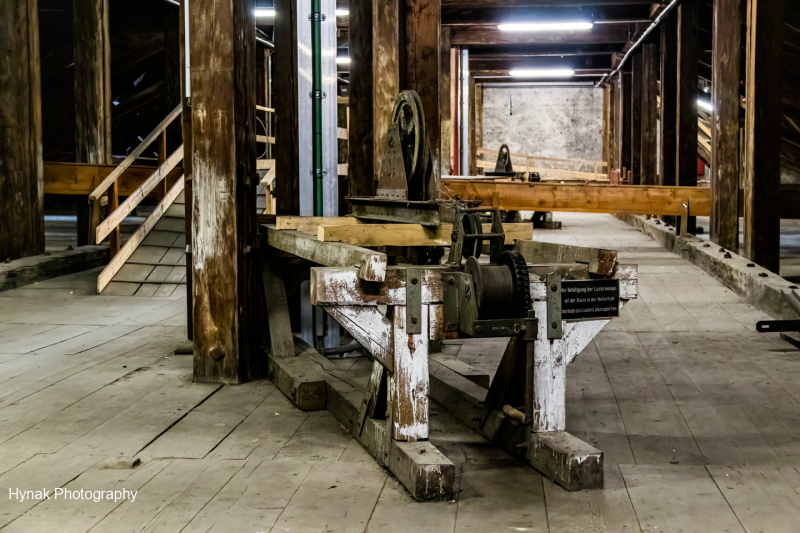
[408,234]
[515,196]
[81,178]
[105,227]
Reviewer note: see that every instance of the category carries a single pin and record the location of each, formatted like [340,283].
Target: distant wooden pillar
[613,153]
[624,124]
[21,167]
[92,56]
[669,96]
[444,101]
[224,183]
[186,131]
[478,121]
[637,77]
[648,167]
[374,86]
[421,68]
[172,72]
[473,144]
[765,27]
[727,37]
[287,179]
[688,86]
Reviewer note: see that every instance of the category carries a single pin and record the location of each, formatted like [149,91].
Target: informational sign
[591,298]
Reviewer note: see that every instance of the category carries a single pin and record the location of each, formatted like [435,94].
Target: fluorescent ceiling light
[265,12]
[341,60]
[542,73]
[342,12]
[546,26]
[705,105]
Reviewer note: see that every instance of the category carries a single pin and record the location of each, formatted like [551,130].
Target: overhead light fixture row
[546,26]
[264,12]
[542,73]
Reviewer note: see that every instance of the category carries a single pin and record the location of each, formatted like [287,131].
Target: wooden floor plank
[133,273]
[396,506]
[208,424]
[253,499]
[678,498]
[160,238]
[334,497]
[319,438]
[148,254]
[764,498]
[46,338]
[147,289]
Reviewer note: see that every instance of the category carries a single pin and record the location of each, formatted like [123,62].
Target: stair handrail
[106,183]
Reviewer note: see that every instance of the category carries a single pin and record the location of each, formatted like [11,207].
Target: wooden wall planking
[21,168]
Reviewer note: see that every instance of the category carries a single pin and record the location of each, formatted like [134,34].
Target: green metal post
[316,55]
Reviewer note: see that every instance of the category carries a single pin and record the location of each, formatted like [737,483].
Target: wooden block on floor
[301,380]
[567,460]
[423,469]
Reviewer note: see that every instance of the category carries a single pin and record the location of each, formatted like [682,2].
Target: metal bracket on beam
[554,324]
[413,301]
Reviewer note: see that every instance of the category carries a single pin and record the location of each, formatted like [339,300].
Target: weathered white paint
[411,382]
[369,327]
[550,368]
[341,286]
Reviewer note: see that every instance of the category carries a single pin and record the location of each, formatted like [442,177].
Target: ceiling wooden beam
[598,34]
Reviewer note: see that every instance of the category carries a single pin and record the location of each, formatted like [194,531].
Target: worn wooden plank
[306,223]
[409,390]
[22,203]
[587,198]
[763,119]
[369,327]
[408,234]
[725,98]
[281,340]
[371,265]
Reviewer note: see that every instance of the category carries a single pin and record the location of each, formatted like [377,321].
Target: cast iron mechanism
[407,159]
[784,326]
[503,166]
[486,299]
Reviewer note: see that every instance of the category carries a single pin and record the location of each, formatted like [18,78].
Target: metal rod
[265,42]
[173,2]
[346,82]
[647,32]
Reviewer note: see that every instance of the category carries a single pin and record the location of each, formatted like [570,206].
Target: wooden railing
[116,213]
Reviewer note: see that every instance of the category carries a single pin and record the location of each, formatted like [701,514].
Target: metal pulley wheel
[408,115]
[502,290]
[472,225]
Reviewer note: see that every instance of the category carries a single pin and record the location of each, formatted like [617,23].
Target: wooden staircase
[157,266]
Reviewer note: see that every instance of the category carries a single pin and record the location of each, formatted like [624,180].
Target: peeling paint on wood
[410,383]
[369,327]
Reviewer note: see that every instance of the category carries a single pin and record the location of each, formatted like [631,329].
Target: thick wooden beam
[641,200]
[472,139]
[725,155]
[224,183]
[668,104]
[374,85]
[92,57]
[21,183]
[624,123]
[408,234]
[287,179]
[186,131]
[688,49]
[420,66]
[606,122]
[637,77]
[444,102]
[764,114]
[613,153]
[649,149]
[600,34]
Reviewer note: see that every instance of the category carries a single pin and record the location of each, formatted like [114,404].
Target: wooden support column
[725,124]
[21,167]
[287,179]
[374,85]
[613,153]
[669,104]
[92,55]
[473,142]
[637,77]
[186,130]
[606,122]
[688,87]
[444,101]
[624,124]
[648,167]
[762,180]
[222,38]
[421,62]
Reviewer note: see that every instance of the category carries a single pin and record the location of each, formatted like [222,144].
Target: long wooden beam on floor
[408,234]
